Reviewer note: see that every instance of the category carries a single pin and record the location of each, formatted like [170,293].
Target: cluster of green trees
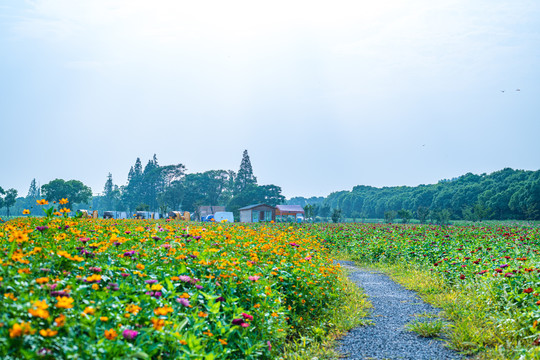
[157,188]
[7,199]
[504,194]
[166,188]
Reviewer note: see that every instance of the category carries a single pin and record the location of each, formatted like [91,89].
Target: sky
[324,95]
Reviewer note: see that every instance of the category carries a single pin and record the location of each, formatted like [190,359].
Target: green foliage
[245,176]
[485,278]
[73,190]
[336,215]
[422,213]
[426,328]
[248,290]
[505,194]
[256,194]
[404,215]
[8,200]
[389,216]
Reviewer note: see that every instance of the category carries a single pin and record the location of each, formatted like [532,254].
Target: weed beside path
[394,307]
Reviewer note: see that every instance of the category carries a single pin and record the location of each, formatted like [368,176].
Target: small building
[204,211]
[289,212]
[257,213]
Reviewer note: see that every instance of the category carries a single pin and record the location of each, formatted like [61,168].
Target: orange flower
[18,236]
[158,323]
[93,278]
[21,329]
[60,320]
[140,266]
[39,309]
[223,342]
[42,202]
[48,332]
[132,308]
[111,334]
[163,310]
[104,318]
[63,201]
[64,302]
[42,280]
[203,314]
[89,310]
[26,212]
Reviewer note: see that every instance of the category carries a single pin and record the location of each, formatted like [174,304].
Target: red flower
[462,277]
[528,290]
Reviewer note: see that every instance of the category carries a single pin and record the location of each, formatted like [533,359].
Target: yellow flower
[65,210]
[21,329]
[18,236]
[132,308]
[42,202]
[93,278]
[104,318]
[48,332]
[110,334]
[140,266]
[63,201]
[156,287]
[10,296]
[26,212]
[60,320]
[163,310]
[39,309]
[95,286]
[64,302]
[157,323]
[89,310]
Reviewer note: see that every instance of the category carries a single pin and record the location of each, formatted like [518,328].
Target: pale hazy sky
[325,95]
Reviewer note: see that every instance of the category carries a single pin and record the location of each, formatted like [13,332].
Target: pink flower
[247,316]
[130,334]
[254,278]
[269,346]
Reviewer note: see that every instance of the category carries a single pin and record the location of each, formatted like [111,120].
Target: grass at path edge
[323,346]
[474,330]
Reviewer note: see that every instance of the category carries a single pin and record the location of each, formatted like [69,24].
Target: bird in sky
[518,90]
[502,90]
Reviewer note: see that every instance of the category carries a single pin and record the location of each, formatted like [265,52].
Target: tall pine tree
[33,191]
[245,175]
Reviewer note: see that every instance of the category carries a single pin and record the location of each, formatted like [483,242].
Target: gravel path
[393,307]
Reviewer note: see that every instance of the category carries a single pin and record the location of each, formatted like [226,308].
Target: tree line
[159,188]
[501,195]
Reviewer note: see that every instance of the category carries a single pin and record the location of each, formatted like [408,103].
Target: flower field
[498,265]
[102,289]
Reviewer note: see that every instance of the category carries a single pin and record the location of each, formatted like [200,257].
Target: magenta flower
[183,301]
[130,334]
[247,316]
